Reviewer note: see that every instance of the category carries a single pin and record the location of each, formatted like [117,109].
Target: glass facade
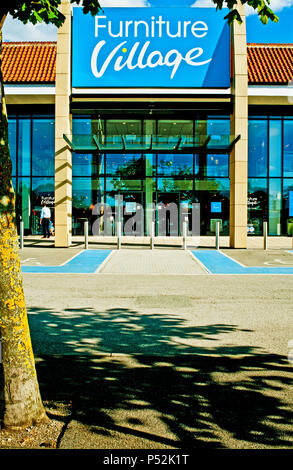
[270,169]
[32,150]
[145,178]
[153,177]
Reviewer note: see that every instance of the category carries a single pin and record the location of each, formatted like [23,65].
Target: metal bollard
[118,235]
[185,222]
[265,235]
[152,239]
[217,235]
[86,235]
[21,232]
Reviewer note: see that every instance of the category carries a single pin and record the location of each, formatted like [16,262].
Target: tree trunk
[21,400]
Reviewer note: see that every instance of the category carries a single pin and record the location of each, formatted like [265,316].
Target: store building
[116,107]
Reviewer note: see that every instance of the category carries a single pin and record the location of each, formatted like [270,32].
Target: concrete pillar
[63,159]
[239,125]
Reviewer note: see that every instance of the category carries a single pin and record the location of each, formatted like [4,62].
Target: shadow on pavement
[137,376]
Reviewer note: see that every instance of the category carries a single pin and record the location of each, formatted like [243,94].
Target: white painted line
[235,261]
[104,262]
[70,259]
[199,262]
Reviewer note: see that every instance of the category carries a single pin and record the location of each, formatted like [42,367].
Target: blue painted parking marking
[218,263]
[86,262]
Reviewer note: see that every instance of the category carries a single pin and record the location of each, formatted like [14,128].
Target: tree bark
[21,401]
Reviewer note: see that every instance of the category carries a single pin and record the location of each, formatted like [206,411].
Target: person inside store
[45,220]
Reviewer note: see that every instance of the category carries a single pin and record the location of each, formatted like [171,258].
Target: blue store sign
[216,207]
[151,47]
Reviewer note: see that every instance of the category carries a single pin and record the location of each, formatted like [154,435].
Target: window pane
[86,192]
[169,184]
[217,165]
[24,147]
[275,153]
[23,203]
[119,184]
[43,147]
[287,206]
[175,164]
[275,206]
[42,191]
[81,126]
[123,127]
[257,148]
[124,165]
[12,143]
[87,164]
[218,127]
[213,196]
[288,148]
[257,204]
[175,128]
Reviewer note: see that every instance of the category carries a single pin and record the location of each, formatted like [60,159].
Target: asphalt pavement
[153,352]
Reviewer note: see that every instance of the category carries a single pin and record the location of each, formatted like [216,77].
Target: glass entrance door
[167,214]
[127,206]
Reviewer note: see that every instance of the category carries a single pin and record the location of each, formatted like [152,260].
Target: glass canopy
[151,143]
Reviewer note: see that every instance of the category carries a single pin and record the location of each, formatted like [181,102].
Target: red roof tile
[35,62]
[29,62]
[270,64]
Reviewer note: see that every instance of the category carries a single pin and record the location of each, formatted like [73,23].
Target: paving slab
[152,262]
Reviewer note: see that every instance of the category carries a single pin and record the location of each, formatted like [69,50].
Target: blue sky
[281,32]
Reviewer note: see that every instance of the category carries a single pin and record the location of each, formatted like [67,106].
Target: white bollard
[152,240]
[217,235]
[86,235]
[185,222]
[118,235]
[265,235]
[21,234]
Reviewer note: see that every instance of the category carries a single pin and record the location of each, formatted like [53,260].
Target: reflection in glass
[287,206]
[42,191]
[87,164]
[257,205]
[43,157]
[123,127]
[124,165]
[23,203]
[175,127]
[12,123]
[275,148]
[211,191]
[171,185]
[288,148]
[81,126]
[257,148]
[172,164]
[275,206]
[24,147]
[218,127]
[86,192]
[217,165]
[121,184]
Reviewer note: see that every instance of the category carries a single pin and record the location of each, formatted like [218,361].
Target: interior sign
[151,47]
